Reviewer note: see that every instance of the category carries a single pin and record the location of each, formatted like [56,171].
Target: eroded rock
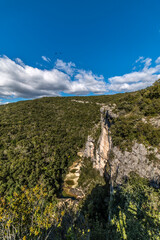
[135,161]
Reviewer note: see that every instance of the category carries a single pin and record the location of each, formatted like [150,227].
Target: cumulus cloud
[88,80]
[137,79]
[46,59]
[20,80]
[66,67]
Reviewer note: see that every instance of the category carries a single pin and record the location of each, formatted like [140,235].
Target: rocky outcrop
[135,161]
[154,121]
[79,101]
[141,160]
[104,145]
[99,153]
[108,111]
[89,148]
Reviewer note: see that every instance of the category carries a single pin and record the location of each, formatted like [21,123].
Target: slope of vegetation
[133,124]
[40,139]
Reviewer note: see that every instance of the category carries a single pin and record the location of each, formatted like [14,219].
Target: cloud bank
[18,80]
[137,79]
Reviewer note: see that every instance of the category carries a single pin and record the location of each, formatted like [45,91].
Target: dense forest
[39,140]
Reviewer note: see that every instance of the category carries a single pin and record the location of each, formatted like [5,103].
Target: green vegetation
[73,170]
[27,215]
[135,211]
[153,158]
[133,108]
[70,182]
[89,177]
[126,129]
[39,141]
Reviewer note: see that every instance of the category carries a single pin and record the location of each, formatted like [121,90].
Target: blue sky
[50,48]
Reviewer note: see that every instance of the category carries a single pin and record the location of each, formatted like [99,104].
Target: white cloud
[24,81]
[19,61]
[139,59]
[88,80]
[147,62]
[46,59]
[2,102]
[69,68]
[138,79]
[18,80]
[157,60]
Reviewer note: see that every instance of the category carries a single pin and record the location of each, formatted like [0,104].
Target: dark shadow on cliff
[89,222]
[132,209]
[95,210]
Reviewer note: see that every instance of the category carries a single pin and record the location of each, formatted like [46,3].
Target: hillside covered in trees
[39,141]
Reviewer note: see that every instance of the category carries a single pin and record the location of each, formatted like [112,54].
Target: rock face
[99,155]
[89,148]
[137,161]
[102,151]
[155,121]
[108,110]
[122,163]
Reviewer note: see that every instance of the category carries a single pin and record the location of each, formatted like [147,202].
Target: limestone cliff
[99,152]
[135,161]
[122,163]
[104,145]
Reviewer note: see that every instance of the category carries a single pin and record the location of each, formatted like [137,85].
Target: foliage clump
[89,176]
[27,214]
[130,127]
[135,211]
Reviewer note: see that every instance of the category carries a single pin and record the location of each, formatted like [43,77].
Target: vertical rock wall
[135,161]
[102,151]
[99,156]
